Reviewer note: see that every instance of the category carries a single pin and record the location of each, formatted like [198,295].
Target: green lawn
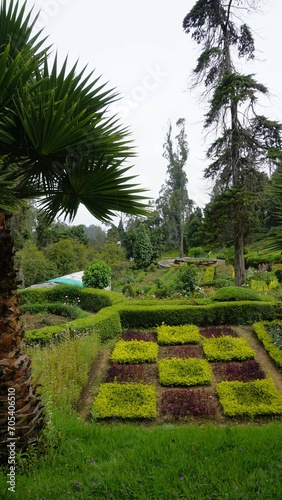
[124,461]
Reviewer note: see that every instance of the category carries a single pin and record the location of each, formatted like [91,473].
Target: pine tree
[246,141]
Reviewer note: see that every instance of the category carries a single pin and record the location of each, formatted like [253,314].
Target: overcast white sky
[141,49]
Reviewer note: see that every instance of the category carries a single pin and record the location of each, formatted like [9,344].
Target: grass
[156,463]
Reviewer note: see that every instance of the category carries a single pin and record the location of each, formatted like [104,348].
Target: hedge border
[274,352]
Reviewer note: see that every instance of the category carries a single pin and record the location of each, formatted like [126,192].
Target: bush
[233,293]
[273,350]
[182,334]
[278,274]
[179,371]
[128,291]
[97,275]
[259,397]
[227,348]
[125,401]
[135,351]
[187,279]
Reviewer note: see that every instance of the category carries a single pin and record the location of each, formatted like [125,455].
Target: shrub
[135,351]
[131,373]
[128,291]
[187,279]
[97,275]
[125,401]
[227,348]
[273,350]
[259,397]
[182,334]
[243,371]
[178,371]
[181,403]
[231,293]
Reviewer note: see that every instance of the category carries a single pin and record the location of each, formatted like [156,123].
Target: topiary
[233,293]
[128,291]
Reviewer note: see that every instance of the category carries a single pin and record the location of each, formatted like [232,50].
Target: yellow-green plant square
[227,348]
[259,397]
[135,351]
[125,401]
[182,334]
[184,372]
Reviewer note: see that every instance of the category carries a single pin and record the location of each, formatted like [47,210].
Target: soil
[98,373]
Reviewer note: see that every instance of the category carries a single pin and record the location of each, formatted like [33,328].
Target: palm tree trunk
[25,410]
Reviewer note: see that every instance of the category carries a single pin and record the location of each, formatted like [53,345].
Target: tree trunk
[21,410]
[239,260]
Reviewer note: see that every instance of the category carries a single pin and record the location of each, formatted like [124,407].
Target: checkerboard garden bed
[185,373]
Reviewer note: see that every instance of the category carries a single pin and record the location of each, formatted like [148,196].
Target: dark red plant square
[180,351]
[180,403]
[242,371]
[131,373]
[217,331]
[146,336]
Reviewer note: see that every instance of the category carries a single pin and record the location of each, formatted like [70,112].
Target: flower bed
[144,372]
[217,331]
[135,351]
[181,403]
[227,348]
[259,397]
[177,371]
[263,331]
[125,401]
[243,371]
[183,334]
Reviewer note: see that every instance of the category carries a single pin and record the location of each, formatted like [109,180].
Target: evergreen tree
[246,141]
[142,247]
[173,202]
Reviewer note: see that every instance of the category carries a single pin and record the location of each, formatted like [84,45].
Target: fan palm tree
[57,146]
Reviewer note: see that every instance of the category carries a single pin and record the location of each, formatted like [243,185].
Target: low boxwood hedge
[184,372]
[89,299]
[236,313]
[259,397]
[125,401]
[68,311]
[274,352]
[135,351]
[227,348]
[182,334]
[106,323]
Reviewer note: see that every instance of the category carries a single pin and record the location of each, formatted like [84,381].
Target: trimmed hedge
[234,293]
[90,299]
[185,372]
[235,313]
[106,323]
[135,351]
[125,401]
[183,334]
[227,348]
[68,311]
[259,397]
[274,352]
